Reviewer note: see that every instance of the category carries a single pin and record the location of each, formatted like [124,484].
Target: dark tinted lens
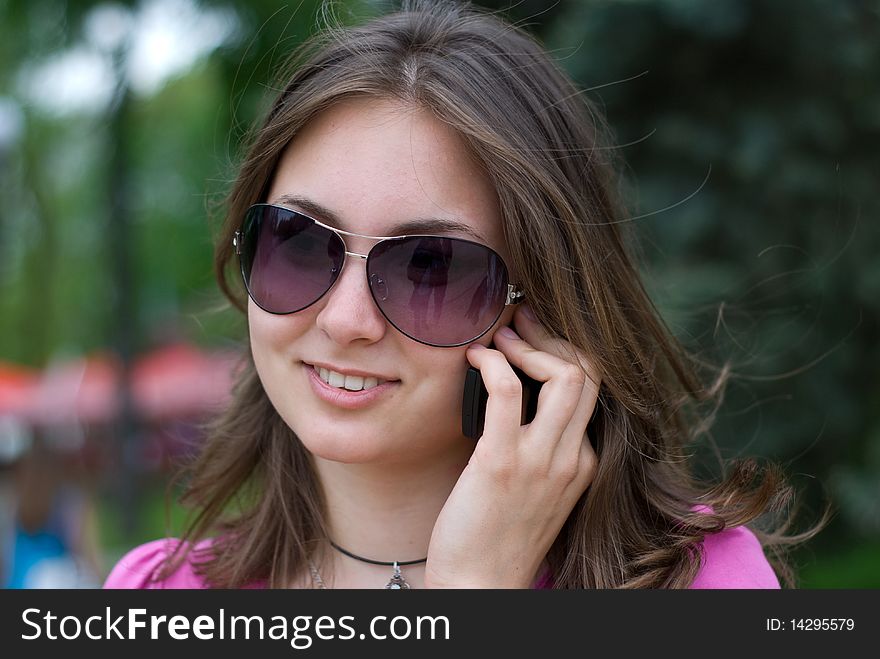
[288,262]
[437,290]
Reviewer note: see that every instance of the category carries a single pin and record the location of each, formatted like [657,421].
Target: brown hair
[546,149]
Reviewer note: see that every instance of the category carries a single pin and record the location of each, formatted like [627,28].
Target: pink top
[731,559]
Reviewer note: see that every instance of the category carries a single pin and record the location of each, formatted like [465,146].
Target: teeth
[336,379]
[350,382]
[354,382]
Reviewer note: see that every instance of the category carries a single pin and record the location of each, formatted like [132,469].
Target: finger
[536,334]
[504,405]
[575,459]
[584,466]
[563,383]
[572,436]
[565,404]
[574,447]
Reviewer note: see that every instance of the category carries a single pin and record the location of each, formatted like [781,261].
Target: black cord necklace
[397,581]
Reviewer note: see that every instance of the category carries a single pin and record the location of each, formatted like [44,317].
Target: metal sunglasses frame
[515,294]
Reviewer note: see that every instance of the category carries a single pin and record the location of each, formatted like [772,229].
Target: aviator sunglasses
[440,291]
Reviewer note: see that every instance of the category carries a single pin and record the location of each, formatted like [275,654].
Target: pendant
[397,581]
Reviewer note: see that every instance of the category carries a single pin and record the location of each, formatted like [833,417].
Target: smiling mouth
[347,382]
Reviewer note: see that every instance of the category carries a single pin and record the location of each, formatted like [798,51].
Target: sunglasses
[440,291]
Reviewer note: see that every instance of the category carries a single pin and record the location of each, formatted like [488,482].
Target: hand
[521,482]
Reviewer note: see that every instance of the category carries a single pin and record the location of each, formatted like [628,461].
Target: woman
[341,461]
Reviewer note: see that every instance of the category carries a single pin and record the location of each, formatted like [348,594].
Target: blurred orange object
[17,386]
[83,390]
[181,381]
[178,381]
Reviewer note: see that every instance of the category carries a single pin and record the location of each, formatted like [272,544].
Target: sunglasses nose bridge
[342,235]
[347,253]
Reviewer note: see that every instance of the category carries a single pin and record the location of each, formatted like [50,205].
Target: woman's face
[374,164]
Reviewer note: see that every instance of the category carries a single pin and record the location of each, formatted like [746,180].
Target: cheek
[272,334]
[442,382]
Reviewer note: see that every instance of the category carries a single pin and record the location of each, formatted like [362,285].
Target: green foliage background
[749,129]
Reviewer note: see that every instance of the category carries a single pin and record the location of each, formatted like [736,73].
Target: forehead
[377,165]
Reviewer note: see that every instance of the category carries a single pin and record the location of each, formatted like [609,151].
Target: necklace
[316,576]
[397,582]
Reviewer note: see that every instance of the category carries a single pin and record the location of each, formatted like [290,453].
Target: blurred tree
[751,129]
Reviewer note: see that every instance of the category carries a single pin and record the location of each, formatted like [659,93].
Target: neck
[385,513]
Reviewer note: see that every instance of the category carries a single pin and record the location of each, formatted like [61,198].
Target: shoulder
[734,558]
[140,566]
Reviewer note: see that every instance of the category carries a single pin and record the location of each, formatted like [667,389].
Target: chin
[375,443]
[359,450]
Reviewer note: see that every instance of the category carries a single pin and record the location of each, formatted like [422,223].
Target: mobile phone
[473,405]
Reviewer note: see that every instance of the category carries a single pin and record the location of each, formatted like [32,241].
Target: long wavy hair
[549,154]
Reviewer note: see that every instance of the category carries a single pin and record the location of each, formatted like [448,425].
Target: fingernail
[527,311]
[509,333]
[476,346]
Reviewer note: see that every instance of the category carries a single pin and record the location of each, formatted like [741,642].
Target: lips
[342,398]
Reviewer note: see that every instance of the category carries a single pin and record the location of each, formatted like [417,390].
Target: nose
[349,313]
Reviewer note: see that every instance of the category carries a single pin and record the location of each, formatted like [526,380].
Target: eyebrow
[415,226]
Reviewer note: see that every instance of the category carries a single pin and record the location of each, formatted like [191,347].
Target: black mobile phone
[473,405]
